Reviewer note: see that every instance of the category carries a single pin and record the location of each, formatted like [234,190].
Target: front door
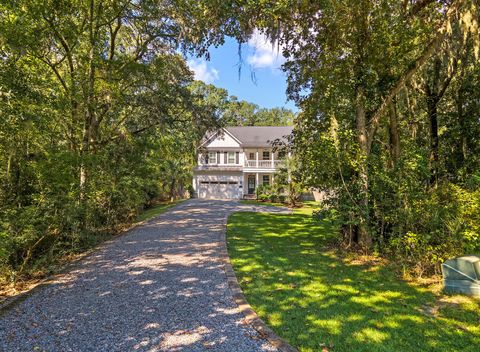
[251,184]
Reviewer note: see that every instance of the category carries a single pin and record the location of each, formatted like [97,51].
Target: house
[235,160]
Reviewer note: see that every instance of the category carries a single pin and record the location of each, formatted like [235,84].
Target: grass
[302,207]
[156,210]
[257,202]
[319,300]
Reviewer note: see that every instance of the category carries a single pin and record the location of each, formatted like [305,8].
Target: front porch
[252,180]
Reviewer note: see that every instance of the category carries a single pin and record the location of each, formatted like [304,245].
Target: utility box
[462,275]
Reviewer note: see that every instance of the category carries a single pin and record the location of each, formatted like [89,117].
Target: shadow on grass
[314,300]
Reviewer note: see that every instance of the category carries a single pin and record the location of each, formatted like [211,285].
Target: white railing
[264,164]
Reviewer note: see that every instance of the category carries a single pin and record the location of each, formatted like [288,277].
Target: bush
[264,197]
[282,198]
[191,191]
[432,227]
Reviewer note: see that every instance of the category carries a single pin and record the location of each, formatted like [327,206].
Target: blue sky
[260,58]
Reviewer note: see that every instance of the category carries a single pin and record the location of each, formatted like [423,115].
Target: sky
[260,59]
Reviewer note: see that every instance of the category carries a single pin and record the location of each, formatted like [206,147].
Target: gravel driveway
[159,287]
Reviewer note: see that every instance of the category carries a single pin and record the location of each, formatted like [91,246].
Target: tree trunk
[364,235]
[172,190]
[434,140]
[90,126]
[394,134]
[432,99]
[461,123]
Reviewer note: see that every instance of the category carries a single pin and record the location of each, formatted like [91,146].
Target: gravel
[159,287]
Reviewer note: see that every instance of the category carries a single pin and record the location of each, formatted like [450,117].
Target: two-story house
[235,160]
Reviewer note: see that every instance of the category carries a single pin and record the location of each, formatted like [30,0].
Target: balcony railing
[264,164]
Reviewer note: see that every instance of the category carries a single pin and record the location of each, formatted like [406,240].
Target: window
[266,180]
[212,158]
[251,156]
[266,155]
[231,157]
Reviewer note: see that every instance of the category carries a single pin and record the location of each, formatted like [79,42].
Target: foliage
[98,120]
[265,193]
[389,123]
[233,112]
[288,183]
[318,299]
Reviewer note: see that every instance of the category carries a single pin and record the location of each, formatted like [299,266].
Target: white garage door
[218,189]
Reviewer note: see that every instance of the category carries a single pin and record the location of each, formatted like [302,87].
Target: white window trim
[214,157]
[263,180]
[229,154]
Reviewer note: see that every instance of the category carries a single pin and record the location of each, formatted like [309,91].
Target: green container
[462,275]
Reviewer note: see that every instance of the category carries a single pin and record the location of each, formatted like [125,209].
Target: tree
[288,180]
[94,97]
[381,86]
[229,111]
[100,53]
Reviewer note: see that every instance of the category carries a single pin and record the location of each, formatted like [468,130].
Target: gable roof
[259,136]
[210,136]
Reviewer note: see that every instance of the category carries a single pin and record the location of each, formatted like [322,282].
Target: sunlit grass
[257,202]
[315,299]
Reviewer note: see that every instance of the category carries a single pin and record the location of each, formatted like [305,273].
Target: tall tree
[336,53]
[99,53]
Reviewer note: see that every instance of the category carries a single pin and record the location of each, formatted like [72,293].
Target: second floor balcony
[264,164]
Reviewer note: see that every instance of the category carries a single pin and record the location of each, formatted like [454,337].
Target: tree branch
[113,37]
[431,48]
[53,66]
[63,42]
[447,80]
[421,60]
[418,6]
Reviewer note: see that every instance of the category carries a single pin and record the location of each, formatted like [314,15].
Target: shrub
[191,191]
[444,223]
[264,197]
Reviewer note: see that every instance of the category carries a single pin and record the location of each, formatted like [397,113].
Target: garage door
[218,189]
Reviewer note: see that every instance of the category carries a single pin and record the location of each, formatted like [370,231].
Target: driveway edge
[10,302]
[250,316]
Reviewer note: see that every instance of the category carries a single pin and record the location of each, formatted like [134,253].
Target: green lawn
[318,301]
[156,210]
[256,202]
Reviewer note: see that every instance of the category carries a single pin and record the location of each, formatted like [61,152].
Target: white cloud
[265,53]
[202,71]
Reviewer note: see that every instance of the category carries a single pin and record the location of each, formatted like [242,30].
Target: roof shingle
[259,136]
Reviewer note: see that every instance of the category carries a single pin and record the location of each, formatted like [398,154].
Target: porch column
[256,164]
[257,176]
[273,163]
[289,178]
